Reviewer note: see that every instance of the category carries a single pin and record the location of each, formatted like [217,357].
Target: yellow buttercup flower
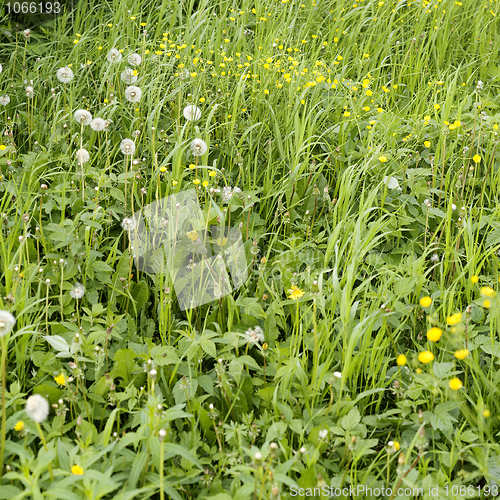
[454,319]
[401,360]
[488,291]
[19,426]
[425,301]
[60,379]
[427,144]
[382,159]
[192,235]
[476,158]
[486,304]
[461,354]
[425,357]
[455,384]
[474,279]
[295,292]
[434,334]
[77,470]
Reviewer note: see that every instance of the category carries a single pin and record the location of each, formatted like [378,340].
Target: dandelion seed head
[134,59]
[78,291]
[7,322]
[114,55]
[98,124]
[192,113]
[65,75]
[129,224]
[127,147]
[128,77]
[83,117]
[133,93]
[37,408]
[199,147]
[83,156]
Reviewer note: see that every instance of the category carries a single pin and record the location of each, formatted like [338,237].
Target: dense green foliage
[363,137]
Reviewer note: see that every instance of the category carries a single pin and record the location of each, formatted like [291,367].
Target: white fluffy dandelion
[83,117]
[134,59]
[30,92]
[133,93]
[7,322]
[254,335]
[129,224]
[4,100]
[114,55]
[98,124]
[192,112]
[78,291]
[83,155]
[37,408]
[127,146]
[128,77]
[65,75]
[199,147]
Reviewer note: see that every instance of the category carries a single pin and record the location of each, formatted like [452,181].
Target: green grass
[314,111]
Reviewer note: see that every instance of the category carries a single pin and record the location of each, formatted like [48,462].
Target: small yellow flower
[369,93]
[163,169]
[205,183]
[434,334]
[401,360]
[110,25]
[425,301]
[455,384]
[347,114]
[474,279]
[196,181]
[476,158]
[192,235]
[60,379]
[77,470]
[486,413]
[486,304]
[488,291]
[174,183]
[2,147]
[427,144]
[202,99]
[454,319]
[461,354]
[19,426]
[437,106]
[425,357]
[295,292]
[382,159]
[191,166]
[212,173]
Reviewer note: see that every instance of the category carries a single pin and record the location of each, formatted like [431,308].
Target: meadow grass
[362,350]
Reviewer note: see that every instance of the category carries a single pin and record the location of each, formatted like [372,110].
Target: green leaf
[251,307]
[351,420]
[172,450]
[164,355]
[57,342]
[124,364]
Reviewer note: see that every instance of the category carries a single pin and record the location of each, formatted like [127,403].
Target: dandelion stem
[42,437]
